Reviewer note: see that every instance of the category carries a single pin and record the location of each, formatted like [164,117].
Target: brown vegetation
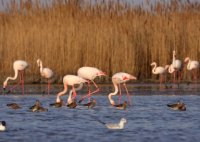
[111,36]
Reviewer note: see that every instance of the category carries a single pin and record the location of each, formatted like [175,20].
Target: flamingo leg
[48,86]
[74,93]
[174,76]
[97,88]
[89,92]
[160,79]
[22,81]
[129,98]
[88,95]
[120,94]
[179,76]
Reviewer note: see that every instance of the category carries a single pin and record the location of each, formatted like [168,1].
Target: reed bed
[112,36]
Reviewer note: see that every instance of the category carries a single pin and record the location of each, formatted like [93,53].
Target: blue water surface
[148,119]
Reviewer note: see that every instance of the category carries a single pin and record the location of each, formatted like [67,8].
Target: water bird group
[87,75]
[176,68]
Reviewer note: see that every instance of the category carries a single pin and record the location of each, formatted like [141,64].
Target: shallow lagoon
[148,118]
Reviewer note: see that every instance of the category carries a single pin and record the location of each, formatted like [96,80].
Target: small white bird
[116,126]
[2,125]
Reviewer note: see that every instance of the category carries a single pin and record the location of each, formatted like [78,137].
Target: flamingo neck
[58,100]
[112,102]
[41,66]
[189,64]
[76,89]
[174,58]
[154,68]
[171,69]
[11,78]
[70,100]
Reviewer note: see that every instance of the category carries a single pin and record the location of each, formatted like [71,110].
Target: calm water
[148,119]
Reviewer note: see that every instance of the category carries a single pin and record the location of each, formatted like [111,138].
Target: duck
[91,104]
[72,105]
[37,107]
[177,106]
[57,104]
[37,104]
[13,106]
[2,125]
[121,106]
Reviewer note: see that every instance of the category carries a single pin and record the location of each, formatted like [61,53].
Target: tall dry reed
[111,36]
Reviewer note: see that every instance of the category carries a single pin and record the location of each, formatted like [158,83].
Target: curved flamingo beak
[133,77]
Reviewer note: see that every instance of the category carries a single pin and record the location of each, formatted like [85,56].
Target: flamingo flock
[87,75]
[176,68]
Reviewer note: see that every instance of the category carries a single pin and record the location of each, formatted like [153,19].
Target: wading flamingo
[117,79]
[70,80]
[46,73]
[175,67]
[90,73]
[191,66]
[19,66]
[160,70]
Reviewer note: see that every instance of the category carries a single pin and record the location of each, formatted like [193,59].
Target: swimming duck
[2,125]
[177,106]
[91,104]
[121,106]
[13,106]
[37,107]
[72,105]
[58,104]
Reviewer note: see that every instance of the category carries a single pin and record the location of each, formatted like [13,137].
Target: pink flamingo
[117,79]
[70,80]
[46,73]
[90,73]
[19,66]
[159,70]
[191,66]
[175,67]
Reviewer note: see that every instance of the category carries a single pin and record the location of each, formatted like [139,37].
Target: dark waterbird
[121,106]
[72,105]
[37,107]
[177,106]
[91,104]
[58,104]
[13,106]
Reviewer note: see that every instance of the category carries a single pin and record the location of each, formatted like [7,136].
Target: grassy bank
[111,36]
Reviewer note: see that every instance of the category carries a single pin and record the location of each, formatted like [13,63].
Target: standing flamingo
[70,80]
[175,67]
[191,66]
[90,73]
[117,79]
[46,73]
[159,70]
[19,66]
